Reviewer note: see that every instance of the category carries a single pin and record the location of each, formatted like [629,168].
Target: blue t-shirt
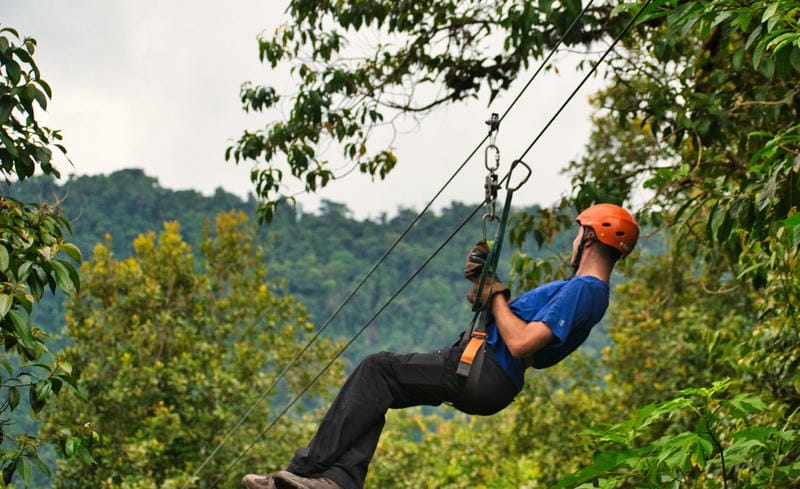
[570,308]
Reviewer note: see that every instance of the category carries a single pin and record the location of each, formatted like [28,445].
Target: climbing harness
[473,340]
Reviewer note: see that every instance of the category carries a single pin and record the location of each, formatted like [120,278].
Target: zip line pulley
[491,184]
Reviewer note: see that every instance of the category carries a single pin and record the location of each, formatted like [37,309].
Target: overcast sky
[155,85]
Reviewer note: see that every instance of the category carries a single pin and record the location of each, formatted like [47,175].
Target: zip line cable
[586,78]
[434,254]
[391,248]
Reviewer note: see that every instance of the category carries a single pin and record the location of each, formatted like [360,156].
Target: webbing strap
[490,267]
[477,332]
[475,343]
[475,340]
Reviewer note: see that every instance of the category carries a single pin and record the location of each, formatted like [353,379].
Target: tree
[34,256]
[426,54]
[699,119]
[702,112]
[172,349]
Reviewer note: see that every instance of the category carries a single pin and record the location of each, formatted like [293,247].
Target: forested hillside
[322,256]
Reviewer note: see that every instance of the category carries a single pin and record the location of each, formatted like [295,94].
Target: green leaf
[4,259]
[13,71]
[72,251]
[22,327]
[25,469]
[13,397]
[793,224]
[39,96]
[796,236]
[739,450]
[36,284]
[770,11]
[71,446]
[70,381]
[758,53]
[65,275]
[794,58]
[40,465]
[39,394]
[24,270]
[8,143]
[6,106]
[6,301]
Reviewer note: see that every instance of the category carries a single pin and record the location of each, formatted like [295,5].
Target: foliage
[32,249]
[726,444]
[425,54]
[34,256]
[672,328]
[701,111]
[697,127]
[24,144]
[714,141]
[172,349]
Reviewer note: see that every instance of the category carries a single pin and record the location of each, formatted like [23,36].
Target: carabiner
[486,163]
[511,173]
[494,128]
[486,218]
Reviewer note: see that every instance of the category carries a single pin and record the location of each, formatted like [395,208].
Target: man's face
[576,243]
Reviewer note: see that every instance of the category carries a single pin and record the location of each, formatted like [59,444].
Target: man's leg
[348,435]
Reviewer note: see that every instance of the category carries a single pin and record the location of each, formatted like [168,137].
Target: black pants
[347,438]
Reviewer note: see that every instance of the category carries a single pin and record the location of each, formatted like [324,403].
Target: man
[539,329]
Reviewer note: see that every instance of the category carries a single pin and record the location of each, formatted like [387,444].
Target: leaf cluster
[423,54]
[24,143]
[173,348]
[35,255]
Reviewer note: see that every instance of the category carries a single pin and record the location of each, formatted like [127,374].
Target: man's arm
[522,339]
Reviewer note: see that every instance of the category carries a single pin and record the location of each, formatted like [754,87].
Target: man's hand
[491,287]
[475,261]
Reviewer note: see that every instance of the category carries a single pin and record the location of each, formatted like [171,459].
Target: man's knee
[377,361]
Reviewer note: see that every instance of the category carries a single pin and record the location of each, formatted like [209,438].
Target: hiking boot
[255,481]
[287,480]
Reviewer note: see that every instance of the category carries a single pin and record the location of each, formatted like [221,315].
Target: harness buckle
[476,341]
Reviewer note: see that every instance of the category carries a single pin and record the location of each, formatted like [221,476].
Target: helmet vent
[620,233]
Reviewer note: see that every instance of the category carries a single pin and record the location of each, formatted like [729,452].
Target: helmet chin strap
[588,235]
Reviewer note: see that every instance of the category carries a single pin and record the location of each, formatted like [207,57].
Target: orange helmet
[613,226]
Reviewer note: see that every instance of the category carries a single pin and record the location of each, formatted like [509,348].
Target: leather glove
[475,261]
[491,287]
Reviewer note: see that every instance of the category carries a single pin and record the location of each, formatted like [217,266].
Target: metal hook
[494,126]
[486,218]
[491,184]
[486,163]
[511,172]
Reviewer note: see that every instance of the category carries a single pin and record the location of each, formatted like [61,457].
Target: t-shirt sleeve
[561,311]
